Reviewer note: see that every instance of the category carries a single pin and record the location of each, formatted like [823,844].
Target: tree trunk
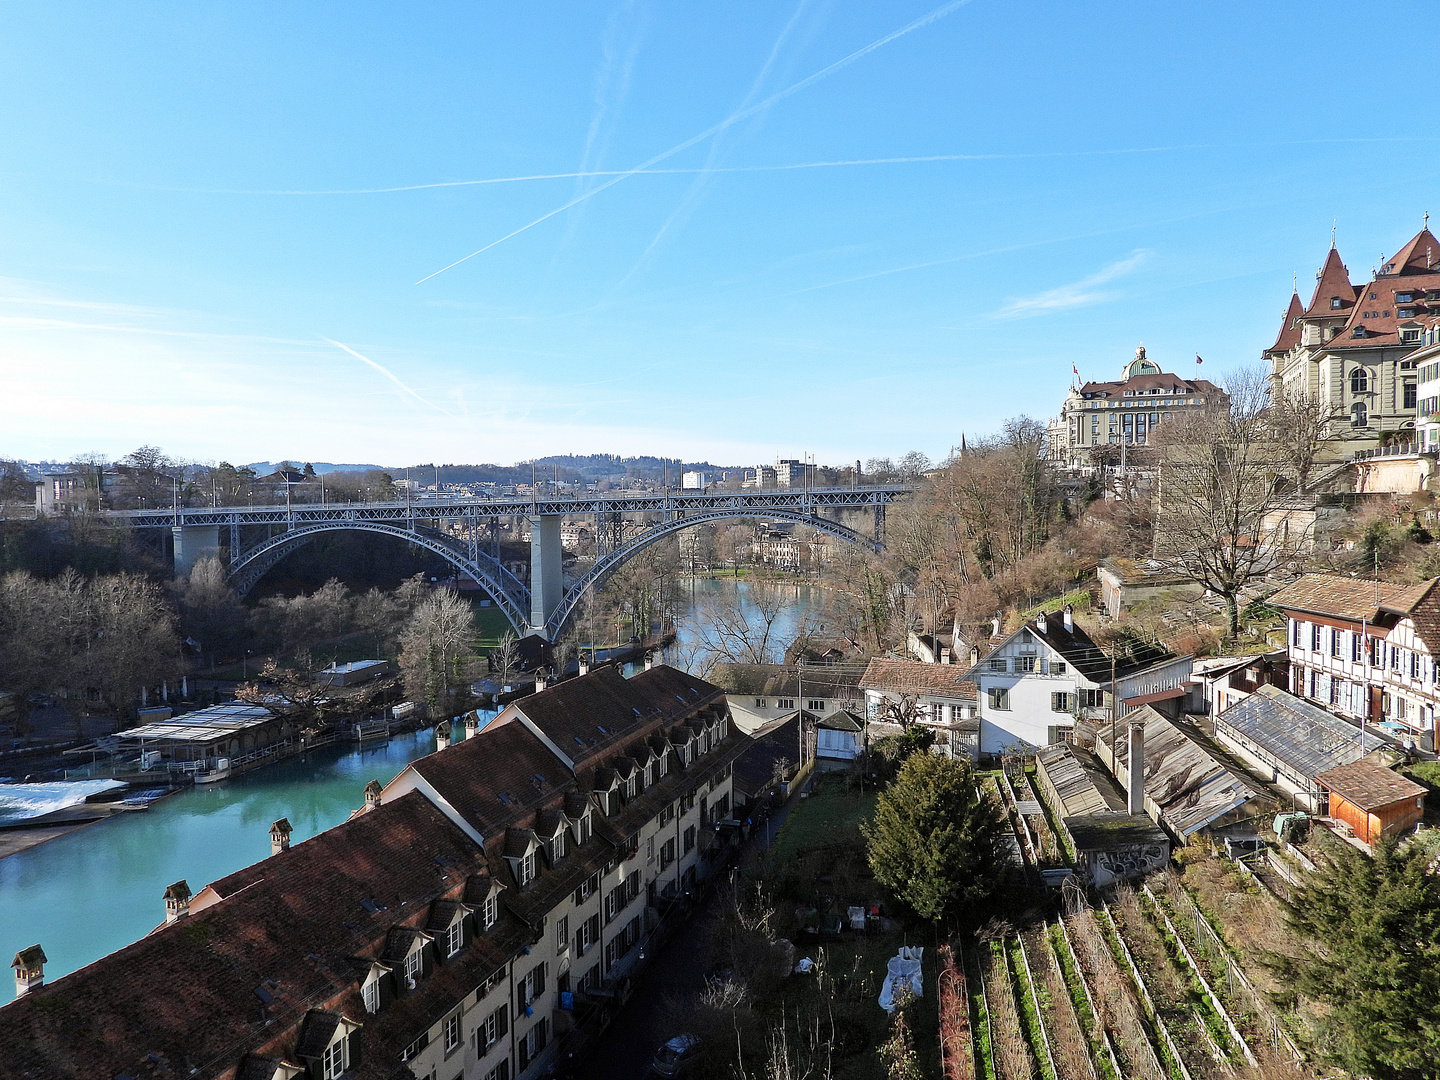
[1232,608]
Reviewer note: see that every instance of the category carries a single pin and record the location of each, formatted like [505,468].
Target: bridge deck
[463,506]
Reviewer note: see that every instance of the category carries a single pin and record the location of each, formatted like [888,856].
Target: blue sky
[221,225]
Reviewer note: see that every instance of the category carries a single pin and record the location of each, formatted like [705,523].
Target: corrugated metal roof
[202,725]
[1305,738]
[1191,786]
[1078,782]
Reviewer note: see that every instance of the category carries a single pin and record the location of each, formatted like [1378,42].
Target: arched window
[1359,382]
[1357,414]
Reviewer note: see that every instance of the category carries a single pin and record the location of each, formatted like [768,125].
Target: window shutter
[540,978]
[355,1056]
[502,1022]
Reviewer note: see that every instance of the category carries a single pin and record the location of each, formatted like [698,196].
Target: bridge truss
[453,528]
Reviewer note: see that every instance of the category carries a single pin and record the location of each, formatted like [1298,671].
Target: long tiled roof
[188,997]
[1348,598]
[912,677]
[782,680]
[587,717]
[497,778]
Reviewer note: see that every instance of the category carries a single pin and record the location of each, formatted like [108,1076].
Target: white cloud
[1082,293]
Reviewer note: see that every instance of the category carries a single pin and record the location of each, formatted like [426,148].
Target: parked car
[677,1057]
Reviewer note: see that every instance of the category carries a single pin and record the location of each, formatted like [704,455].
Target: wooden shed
[1373,800]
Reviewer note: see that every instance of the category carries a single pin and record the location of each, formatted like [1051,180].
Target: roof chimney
[944,656]
[442,735]
[472,724]
[649,660]
[372,794]
[29,965]
[1069,619]
[540,681]
[995,626]
[1041,623]
[177,901]
[974,654]
[280,836]
[1136,802]
[584,666]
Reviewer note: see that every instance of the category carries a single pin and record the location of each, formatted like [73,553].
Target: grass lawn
[829,816]
[819,852]
[491,625]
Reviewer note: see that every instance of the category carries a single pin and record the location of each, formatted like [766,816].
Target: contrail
[696,185]
[733,118]
[389,375]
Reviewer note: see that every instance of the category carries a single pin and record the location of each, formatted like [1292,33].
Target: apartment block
[462,924]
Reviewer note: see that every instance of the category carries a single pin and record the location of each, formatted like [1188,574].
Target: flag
[1197,359]
[1076,370]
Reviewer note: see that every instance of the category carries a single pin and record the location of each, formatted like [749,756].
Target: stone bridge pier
[193,543]
[547,570]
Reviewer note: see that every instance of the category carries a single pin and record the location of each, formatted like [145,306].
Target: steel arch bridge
[607,564]
[510,594]
[451,527]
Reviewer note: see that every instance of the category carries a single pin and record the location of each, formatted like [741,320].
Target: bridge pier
[193,543]
[547,573]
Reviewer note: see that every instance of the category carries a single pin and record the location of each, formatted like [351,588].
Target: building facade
[1038,681]
[1124,413]
[1352,348]
[1365,650]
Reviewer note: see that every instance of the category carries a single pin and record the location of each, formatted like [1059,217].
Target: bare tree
[740,627]
[1301,428]
[1218,496]
[437,654]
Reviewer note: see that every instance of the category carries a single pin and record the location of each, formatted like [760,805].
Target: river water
[99,888]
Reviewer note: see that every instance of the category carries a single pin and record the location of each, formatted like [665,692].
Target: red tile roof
[1416,270]
[1349,598]
[185,997]
[498,778]
[913,677]
[1289,335]
[1333,281]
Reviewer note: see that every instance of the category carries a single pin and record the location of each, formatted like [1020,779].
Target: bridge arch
[607,564]
[508,592]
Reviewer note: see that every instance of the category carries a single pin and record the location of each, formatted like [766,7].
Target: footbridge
[251,540]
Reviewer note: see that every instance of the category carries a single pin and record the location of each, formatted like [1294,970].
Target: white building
[694,481]
[1049,673]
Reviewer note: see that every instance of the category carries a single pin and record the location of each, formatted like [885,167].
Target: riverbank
[23,833]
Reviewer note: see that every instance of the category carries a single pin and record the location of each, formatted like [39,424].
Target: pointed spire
[1332,281]
[1333,223]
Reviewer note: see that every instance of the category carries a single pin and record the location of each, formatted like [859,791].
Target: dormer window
[1404,298]
[414,964]
[1335,302]
[1358,332]
[664,765]
[649,773]
[525,868]
[370,988]
[557,847]
[630,786]
[582,828]
[1410,335]
[455,937]
[489,910]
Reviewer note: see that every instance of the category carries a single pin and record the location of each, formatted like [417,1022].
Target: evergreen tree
[936,841]
[1375,928]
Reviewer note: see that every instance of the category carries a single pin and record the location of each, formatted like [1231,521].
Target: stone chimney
[974,655]
[442,735]
[29,965]
[540,681]
[584,666]
[1136,788]
[649,660]
[372,794]
[177,901]
[944,656]
[1069,619]
[280,836]
[1041,623]
[472,724]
